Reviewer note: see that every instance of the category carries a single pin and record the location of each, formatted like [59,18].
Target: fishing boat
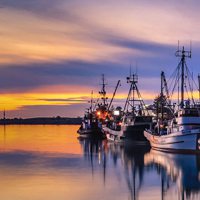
[134,118]
[101,105]
[89,126]
[181,132]
[112,128]
[95,116]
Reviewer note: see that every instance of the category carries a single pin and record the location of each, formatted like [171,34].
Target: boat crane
[164,85]
[118,84]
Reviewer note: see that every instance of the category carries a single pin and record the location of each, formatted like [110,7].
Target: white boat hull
[178,141]
[113,135]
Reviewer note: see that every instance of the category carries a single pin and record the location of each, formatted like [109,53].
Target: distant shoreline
[42,121]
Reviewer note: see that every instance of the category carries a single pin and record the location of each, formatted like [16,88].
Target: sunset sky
[53,53]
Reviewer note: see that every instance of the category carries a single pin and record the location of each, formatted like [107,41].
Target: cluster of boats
[166,126]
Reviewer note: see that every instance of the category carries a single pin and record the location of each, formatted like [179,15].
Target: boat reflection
[94,152]
[134,168]
[181,169]
[128,158]
[178,175]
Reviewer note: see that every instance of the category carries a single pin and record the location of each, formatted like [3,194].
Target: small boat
[89,127]
[133,120]
[95,116]
[181,132]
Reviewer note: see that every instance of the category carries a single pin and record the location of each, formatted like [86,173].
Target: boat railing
[189,112]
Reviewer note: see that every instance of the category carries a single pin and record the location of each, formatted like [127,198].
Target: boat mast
[162,96]
[183,54]
[133,91]
[91,107]
[132,79]
[182,77]
[103,91]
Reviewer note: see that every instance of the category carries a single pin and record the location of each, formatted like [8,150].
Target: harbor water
[40,162]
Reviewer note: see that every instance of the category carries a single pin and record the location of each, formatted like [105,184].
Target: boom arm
[165,84]
[114,94]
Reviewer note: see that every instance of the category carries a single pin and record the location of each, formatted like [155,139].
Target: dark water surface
[50,163]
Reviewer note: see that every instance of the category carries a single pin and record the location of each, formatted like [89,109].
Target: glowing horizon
[53,53]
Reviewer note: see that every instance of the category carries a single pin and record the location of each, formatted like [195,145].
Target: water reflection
[178,174]
[48,162]
[181,169]
[129,157]
[94,152]
[134,168]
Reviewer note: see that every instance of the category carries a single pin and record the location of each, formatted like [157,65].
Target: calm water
[49,162]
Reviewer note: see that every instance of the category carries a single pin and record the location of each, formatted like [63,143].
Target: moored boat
[181,141]
[133,120]
[89,127]
[181,132]
[95,117]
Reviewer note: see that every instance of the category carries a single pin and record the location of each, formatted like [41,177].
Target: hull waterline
[175,142]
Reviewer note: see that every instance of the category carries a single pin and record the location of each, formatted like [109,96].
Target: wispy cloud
[48,8]
[47,44]
[66,100]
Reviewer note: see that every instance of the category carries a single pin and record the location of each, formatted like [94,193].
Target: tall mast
[161,95]
[183,54]
[182,77]
[133,79]
[91,108]
[133,91]
[103,91]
